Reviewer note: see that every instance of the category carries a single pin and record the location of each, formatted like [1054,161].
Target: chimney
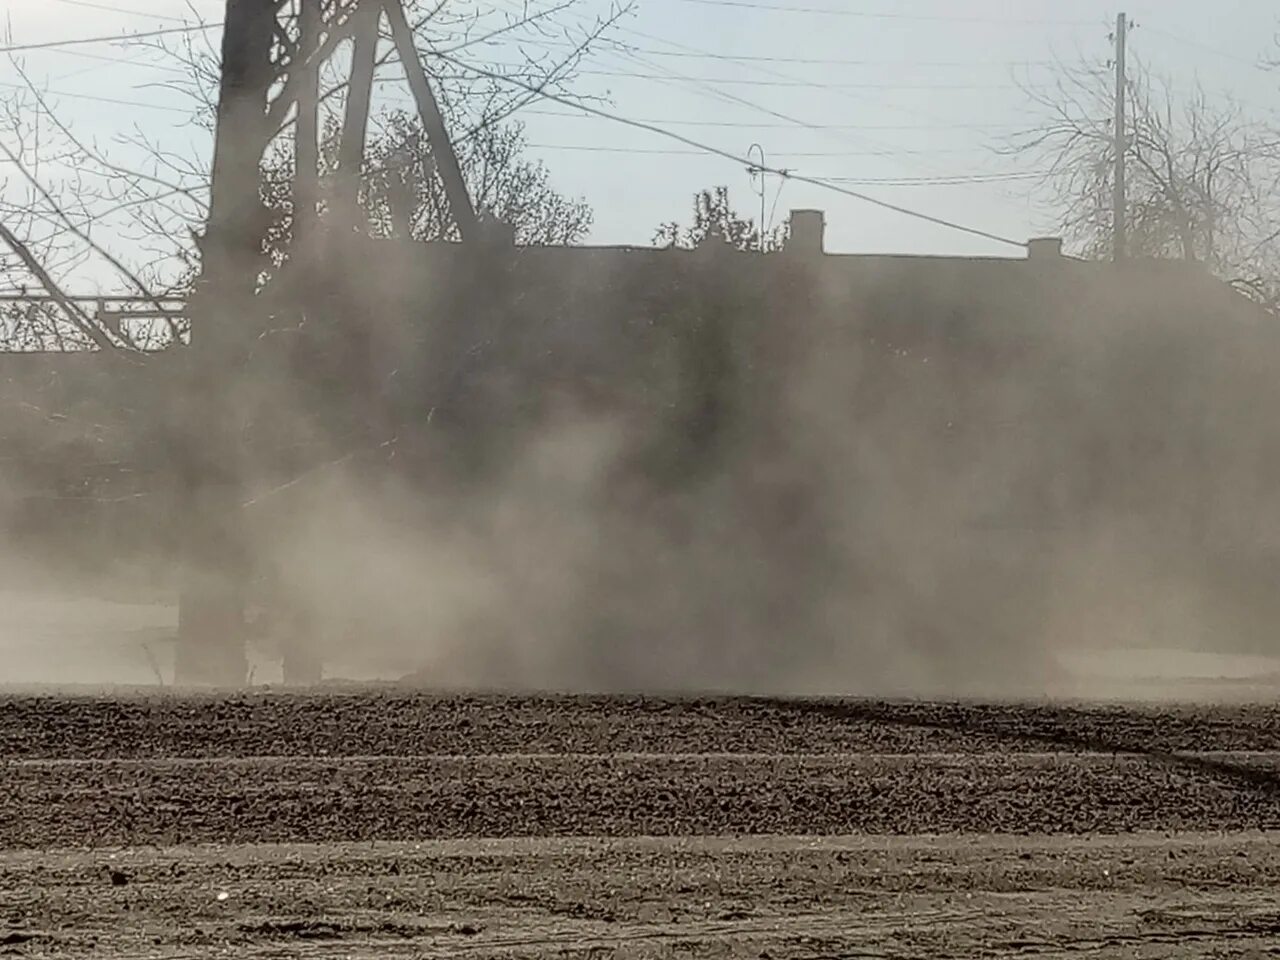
[805,237]
[1044,248]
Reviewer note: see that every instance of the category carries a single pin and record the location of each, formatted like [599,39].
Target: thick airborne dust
[915,478]
[708,470]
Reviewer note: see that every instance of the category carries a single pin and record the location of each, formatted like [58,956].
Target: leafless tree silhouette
[1202,175]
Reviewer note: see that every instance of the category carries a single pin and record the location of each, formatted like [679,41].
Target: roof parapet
[1044,248]
[806,234]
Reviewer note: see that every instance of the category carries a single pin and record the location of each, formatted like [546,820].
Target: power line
[813,61]
[1257,65]
[752,125]
[603,148]
[888,151]
[743,161]
[121,10]
[891,151]
[671,76]
[941,180]
[789,82]
[839,62]
[884,15]
[966,178]
[637,151]
[720,94]
[116,38]
[675,77]
[824,85]
[768,71]
[97,99]
[123,61]
[735,81]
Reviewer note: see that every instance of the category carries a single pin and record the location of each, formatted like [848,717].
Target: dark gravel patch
[391,765]
[170,802]
[401,723]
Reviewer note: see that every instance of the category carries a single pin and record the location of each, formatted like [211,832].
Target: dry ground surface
[384,822]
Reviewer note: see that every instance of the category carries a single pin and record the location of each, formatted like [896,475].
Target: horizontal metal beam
[45,298]
[139,314]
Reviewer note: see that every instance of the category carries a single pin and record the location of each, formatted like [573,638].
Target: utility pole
[355,123]
[211,629]
[306,163]
[455,187]
[1119,240]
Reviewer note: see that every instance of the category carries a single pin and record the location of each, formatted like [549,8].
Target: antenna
[757,171]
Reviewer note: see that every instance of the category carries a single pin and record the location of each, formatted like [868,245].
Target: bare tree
[401,194]
[133,204]
[547,44]
[714,218]
[274,66]
[45,229]
[1201,175]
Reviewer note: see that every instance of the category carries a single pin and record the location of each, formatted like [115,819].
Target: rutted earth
[382,822]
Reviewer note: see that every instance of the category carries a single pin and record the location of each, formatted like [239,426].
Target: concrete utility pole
[355,122]
[1119,238]
[306,162]
[455,188]
[211,628]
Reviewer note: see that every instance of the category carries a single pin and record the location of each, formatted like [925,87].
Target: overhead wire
[771,72]
[933,120]
[743,161]
[836,61]
[884,149]
[98,99]
[113,38]
[957,179]
[851,134]
[604,148]
[753,125]
[705,87]
[948,180]
[632,54]
[124,11]
[827,183]
[101,62]
[773,207]
[723,95]
[814,61]
[824,85]
[887,15]
[1257,64]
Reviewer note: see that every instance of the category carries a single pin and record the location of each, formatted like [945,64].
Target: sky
[883,97]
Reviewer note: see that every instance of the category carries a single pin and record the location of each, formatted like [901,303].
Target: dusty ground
[387,823]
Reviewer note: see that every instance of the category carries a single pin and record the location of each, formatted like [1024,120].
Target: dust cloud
[909,479]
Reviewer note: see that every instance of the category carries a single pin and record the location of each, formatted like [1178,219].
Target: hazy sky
[864,90]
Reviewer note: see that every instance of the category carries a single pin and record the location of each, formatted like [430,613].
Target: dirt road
[388,823]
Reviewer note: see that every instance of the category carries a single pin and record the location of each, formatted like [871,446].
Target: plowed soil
[382,822]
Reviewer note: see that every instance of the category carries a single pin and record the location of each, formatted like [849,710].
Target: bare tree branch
[1201,173]
[79,319]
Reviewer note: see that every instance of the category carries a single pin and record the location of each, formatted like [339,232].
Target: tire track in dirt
[797,898]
